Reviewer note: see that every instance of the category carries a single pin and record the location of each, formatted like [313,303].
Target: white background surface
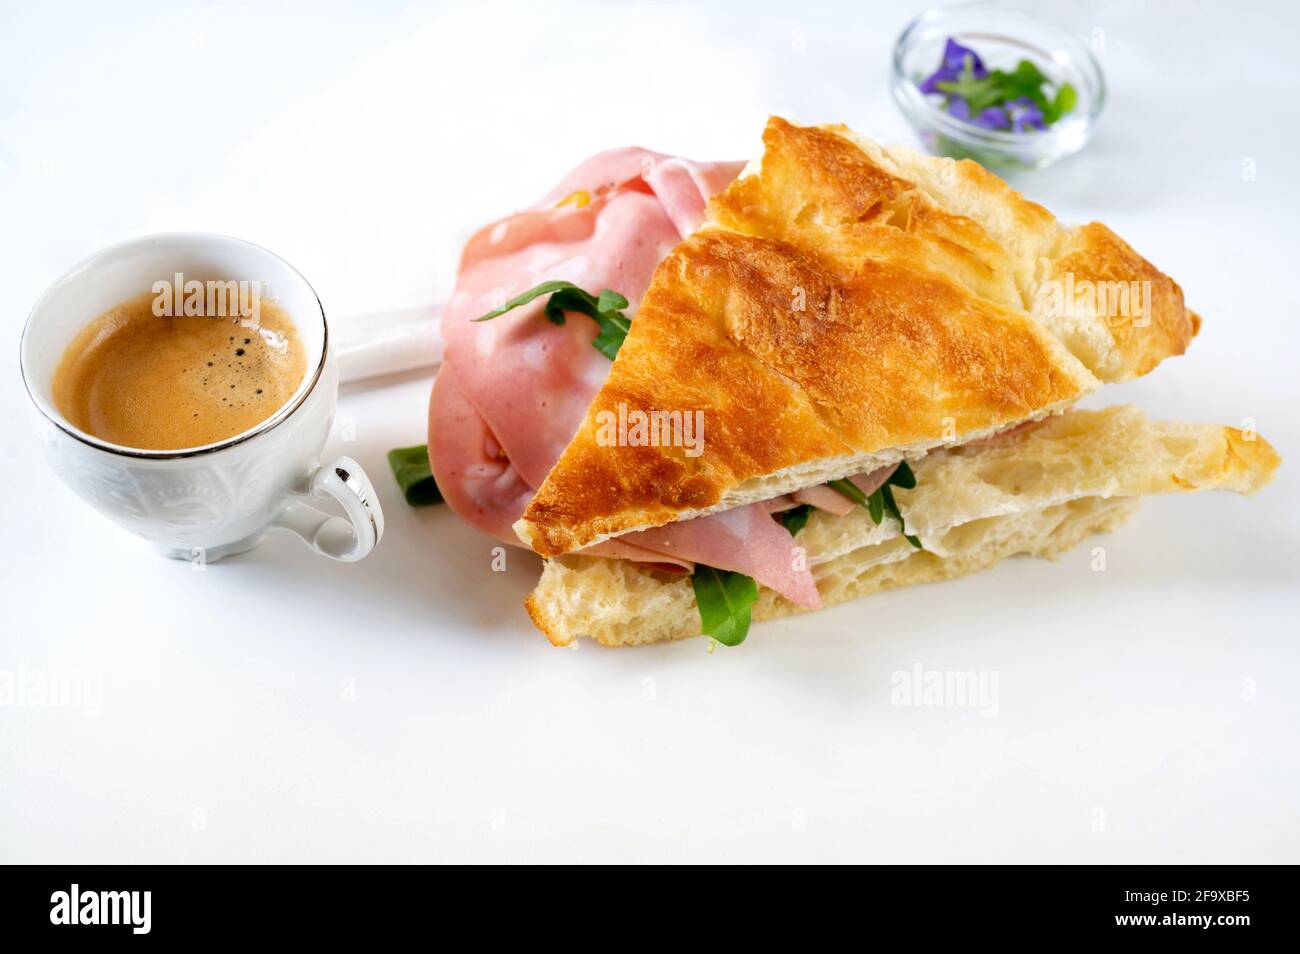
[363,143]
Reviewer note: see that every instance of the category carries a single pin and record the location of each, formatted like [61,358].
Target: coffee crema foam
[171,382]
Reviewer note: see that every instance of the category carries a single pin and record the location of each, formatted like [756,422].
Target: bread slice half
[846,305]
[1038,492]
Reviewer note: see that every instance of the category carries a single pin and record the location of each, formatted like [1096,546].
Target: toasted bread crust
[834,306]
[1153,325]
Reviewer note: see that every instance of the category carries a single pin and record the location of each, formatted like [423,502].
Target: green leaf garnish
[887,494]
[526,297]
[725,600]
[876,507]
[1066,99]
[411,468]
[795,518]
[882,501]
[903,476]
[610,300]
[1027,71]
[979,94]
[847,488]
[606,310]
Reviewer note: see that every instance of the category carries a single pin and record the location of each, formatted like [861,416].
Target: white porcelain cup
[209,502]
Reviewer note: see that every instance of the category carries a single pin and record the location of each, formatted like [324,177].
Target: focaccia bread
[1038,492]
[846,305]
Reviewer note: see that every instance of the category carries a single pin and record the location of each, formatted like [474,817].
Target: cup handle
[350,539]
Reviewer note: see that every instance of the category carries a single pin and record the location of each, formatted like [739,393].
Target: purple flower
[941,75]
[1024,114]
[960,109]
[955,58]
[995,117]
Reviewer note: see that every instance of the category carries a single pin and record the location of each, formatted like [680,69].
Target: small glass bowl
[1002,38]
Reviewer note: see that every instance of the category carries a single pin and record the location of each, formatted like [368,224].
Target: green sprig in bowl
[980,81]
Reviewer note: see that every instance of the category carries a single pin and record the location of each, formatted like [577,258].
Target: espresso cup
[209,502]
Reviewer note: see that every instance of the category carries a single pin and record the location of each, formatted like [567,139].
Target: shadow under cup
[210,501]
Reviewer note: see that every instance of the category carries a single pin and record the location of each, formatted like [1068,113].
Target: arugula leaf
[887,495]
[614,325]
[847,488]
[795,518]
[872,504]
[876,507]
[903,476]
[610,300]
[725,600]
[525,298]
[410,466]
[882,500]
[606,310]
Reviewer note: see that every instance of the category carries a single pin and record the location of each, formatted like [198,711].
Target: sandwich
[708,394]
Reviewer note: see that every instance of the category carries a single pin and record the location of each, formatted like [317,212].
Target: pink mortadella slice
[513,391]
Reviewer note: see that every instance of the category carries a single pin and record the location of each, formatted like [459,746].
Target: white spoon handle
[386,342]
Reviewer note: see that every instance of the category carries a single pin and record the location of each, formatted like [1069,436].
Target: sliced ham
[527,381]
[482,485]
[513,391]
[870,482]
[532,380]
[746,540]
[475,479]
[825,497]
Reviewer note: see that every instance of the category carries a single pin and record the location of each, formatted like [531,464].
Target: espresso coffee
[166,382]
